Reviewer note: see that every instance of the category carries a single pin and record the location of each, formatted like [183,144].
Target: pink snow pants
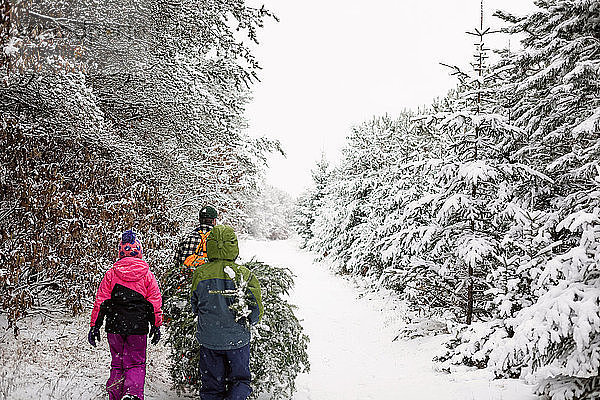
[128,366]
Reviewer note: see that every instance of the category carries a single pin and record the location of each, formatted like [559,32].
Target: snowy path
[351,350]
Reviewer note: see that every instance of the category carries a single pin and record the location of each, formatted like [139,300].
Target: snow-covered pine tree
[358,222]
[475,187]
[404,194]
[556,340]
[310,201]
[346,226]
[393,146]
[302,217]
[550,299]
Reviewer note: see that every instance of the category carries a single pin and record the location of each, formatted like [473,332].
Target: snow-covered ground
[52,360]
[352,352]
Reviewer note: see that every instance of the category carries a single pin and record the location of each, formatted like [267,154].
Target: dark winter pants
[128,366]
[225,374]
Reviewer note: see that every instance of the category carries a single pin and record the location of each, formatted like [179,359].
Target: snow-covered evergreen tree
[346,226]
[555,77]
[309,202]
[478,184]
[404,196]
[549,297]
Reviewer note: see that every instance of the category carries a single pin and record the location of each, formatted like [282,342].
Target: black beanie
[207,212]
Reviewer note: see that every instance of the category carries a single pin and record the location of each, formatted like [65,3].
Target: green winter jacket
[215,291]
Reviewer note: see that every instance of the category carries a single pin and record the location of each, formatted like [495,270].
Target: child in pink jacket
[130,301]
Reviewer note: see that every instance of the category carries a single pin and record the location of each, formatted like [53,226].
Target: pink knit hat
[130,246]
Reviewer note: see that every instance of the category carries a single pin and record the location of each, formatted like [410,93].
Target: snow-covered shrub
[63,217]
[472,345]
[419,327]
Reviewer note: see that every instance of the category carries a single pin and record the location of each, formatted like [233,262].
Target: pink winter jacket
[127,297]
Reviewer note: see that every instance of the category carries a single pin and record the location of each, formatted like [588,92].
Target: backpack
[199,256]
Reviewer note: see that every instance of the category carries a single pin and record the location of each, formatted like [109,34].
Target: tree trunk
[470,297]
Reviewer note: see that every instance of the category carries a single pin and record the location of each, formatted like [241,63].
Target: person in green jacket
[227,300]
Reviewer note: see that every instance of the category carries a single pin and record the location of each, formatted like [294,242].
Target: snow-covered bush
[472,345]
[134,124]
[64,196]
[62,219]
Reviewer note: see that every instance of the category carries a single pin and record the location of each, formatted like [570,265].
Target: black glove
[94,334]
[154,334]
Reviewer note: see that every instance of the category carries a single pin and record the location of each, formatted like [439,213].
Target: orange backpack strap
[201,249]
[196,252]
[203,243]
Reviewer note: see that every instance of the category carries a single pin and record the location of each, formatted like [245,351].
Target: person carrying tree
[226,299]
[189,254]
[129,299]
[191,251]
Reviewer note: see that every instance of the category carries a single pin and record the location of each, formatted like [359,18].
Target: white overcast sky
[331,64]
